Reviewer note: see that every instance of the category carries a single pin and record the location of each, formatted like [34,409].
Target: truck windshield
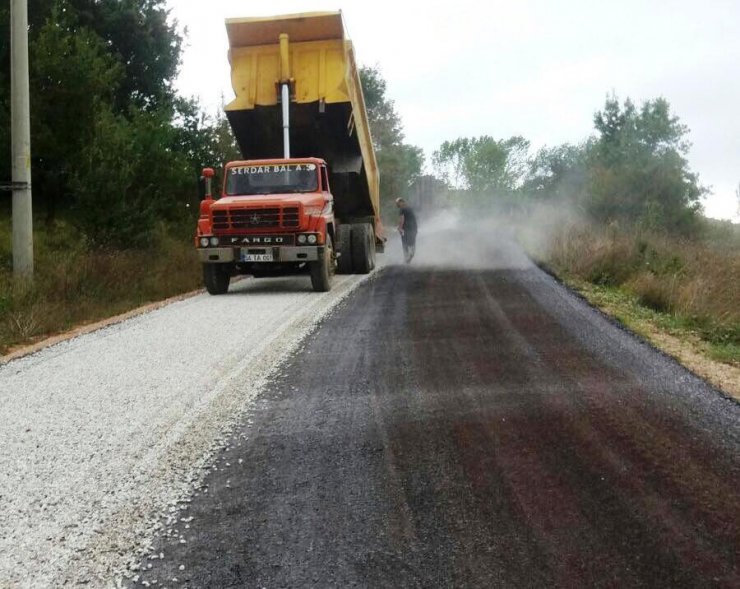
[272,179]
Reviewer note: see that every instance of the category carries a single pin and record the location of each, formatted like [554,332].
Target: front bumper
[222,255]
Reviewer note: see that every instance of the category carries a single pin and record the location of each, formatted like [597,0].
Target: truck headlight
[203,242]
[301,239]
[311,239]
[214,241]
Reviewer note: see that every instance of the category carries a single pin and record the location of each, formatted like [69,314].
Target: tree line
[400,163]
[115,149]
[632,169]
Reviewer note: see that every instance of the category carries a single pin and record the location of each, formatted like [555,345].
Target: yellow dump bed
[327,111]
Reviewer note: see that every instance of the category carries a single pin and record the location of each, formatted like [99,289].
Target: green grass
[729,353]
[74,285]
[628,310]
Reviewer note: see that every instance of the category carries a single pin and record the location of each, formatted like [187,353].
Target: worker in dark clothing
[408,227]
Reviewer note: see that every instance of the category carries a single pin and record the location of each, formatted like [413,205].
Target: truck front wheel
[216,278]
[363,248]
[322,270]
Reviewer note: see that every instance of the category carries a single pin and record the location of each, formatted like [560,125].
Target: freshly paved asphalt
[470,428]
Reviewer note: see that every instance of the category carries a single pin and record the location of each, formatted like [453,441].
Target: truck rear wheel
[322,270]
[363,248]
[216,278]
[344,249]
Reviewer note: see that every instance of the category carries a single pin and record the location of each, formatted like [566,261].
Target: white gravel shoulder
[103,434]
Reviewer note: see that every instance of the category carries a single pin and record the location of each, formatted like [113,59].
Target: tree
[399,163]
[449,162]
[558,173]
[135,32]
[130,177]
[638,169]
[483,164]
[104,111]
[385,124]
[72,74]
[5,140]
[83,54]
[144,42]
[206,141]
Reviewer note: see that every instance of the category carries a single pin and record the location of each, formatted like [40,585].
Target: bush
[655,292]
[129,180]
[694,281]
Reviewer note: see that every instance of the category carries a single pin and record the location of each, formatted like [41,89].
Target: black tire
[216,278]
[363,248]
[371,248]
[323,269]
[344,249]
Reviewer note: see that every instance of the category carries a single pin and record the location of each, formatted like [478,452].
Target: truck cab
[274,217]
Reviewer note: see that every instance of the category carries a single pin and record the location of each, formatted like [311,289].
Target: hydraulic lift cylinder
[285,92]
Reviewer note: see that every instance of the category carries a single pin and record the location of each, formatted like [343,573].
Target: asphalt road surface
[474,427]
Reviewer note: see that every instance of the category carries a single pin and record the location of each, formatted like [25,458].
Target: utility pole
[21,140]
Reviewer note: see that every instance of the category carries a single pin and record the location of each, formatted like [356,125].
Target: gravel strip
[27,349]
[103,434]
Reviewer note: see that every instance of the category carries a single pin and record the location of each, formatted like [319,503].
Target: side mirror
[207,177]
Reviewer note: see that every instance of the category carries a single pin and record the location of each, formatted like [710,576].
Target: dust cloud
[454,238]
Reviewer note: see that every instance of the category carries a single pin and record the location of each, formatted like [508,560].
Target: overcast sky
[535,68]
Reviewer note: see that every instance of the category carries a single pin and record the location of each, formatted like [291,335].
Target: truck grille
[256,218]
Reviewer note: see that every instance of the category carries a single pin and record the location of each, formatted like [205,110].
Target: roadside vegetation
[618,216]
[77,284]
[400,163]
[689,287]
[117,157]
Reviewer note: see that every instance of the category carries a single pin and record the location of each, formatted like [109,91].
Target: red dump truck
[305,197]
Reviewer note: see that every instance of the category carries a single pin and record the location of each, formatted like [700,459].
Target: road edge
[85,328]
[666,344]
[23,350]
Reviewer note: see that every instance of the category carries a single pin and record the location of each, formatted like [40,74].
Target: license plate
[255,257]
